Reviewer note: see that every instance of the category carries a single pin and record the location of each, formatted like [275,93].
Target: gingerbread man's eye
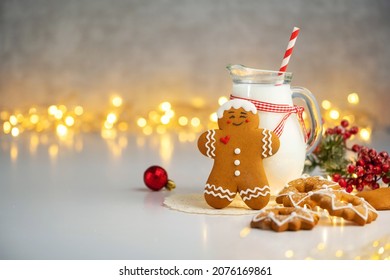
[243,115]
[232,117]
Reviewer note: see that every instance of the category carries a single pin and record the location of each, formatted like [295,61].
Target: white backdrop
[149,51]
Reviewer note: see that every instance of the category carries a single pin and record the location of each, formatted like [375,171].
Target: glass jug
[273,96]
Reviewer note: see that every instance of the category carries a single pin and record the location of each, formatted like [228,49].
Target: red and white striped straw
[289,49]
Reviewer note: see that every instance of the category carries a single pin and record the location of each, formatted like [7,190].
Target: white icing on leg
[219,192]
[254,193]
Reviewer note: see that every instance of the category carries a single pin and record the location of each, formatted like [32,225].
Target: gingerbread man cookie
[238,148]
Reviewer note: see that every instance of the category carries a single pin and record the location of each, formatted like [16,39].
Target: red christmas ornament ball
[155,178]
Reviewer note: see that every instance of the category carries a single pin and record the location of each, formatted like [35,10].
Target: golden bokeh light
[62,108]
[222,100]
[147,130]
[289,254]
[108,125]
[183,120]
[339,253]
[334,114]
[365,134]
[244,232]
[214,117]
[326,104]
[58,114]
[154,116]
[165,106]
[141,122]
[123,126]
[7,127]
[34,118]
[195,122]
[61,130]
[69,121]
[117,101]
[353,98]
[52,110]
[15,132]
[170,113]
[13,120]
[78,110]
[321,246]
[165,119]
[111,118]
[20,118]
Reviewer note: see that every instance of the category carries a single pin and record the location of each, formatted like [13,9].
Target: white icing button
[237,172]
[237,151]
[237,162]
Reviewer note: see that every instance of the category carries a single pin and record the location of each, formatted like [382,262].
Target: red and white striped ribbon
[289,49]
[278,108]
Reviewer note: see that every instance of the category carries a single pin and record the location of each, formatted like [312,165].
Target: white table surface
[86,199]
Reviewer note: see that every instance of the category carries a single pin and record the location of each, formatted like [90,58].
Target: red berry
[351,181]
[349,188]
[384,154]
[356,148]
[363,151]
[377,170]
[351,168]
[344,123]
[346,135]
[375,186]
[368,178]
[366,159]
[385,167]
[360,162]
[354,130]
[372,153]
[360,187]
[386,179]
[379,160]
[336,177]
[338,130]
[359,171]
[343,183]
[329,131]
[369,168]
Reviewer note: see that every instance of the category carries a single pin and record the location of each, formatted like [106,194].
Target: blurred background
[154,66]
[93,92]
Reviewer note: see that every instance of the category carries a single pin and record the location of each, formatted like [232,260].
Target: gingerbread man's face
[238,119]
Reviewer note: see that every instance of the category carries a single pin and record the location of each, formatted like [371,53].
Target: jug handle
[314,114]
